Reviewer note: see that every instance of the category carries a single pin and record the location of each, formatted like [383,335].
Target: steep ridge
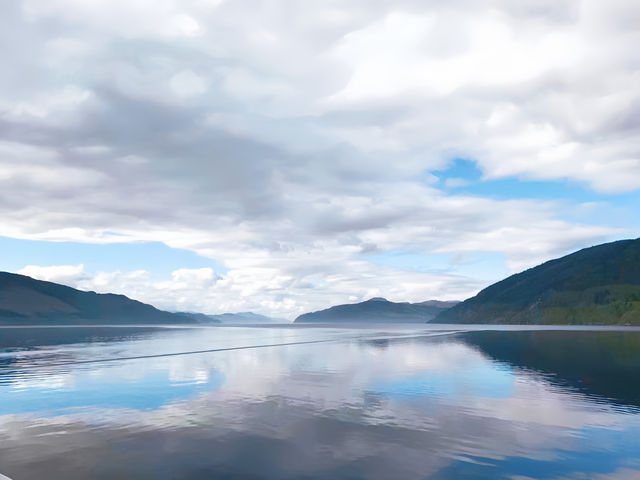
[596,285]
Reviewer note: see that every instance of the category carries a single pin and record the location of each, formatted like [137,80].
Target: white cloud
[187,84]
[185,25]
[285,146]
[456,182]
[65,274]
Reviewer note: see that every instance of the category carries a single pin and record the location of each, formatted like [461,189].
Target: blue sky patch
[151,392]
[155,257]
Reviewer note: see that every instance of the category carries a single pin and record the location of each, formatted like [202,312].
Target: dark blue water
[384,402]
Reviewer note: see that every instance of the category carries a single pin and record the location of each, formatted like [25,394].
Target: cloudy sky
[282,156]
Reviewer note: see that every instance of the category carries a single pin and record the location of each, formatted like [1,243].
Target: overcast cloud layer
[291,141]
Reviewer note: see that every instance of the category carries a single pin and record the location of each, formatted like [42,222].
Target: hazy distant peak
[377,299]
[245,317]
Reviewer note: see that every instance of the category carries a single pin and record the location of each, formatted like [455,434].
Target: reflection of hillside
[606,364]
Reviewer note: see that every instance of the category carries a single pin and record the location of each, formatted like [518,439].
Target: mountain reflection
[604,364]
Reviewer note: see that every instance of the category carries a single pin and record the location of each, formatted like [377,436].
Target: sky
[283,156]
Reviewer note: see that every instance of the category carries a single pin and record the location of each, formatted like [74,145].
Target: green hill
[24,301]
[377,310]
[597,285]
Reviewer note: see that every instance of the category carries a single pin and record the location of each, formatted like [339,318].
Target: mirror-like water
[408,402]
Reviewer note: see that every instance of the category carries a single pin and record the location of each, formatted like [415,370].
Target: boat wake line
[229,349]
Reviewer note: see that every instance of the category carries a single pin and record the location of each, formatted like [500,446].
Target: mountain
[442,305]
[596,285]
[245,318]
[24,300]
[197,318]
[378,310]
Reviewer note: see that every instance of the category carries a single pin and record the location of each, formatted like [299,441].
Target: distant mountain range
[24,300]
[596,285]
[378,310]
[248,318]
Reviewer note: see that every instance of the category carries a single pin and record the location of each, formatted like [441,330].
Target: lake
[285,402]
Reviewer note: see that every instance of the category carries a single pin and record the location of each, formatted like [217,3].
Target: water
[384,402]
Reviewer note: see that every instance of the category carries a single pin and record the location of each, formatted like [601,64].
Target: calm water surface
[385,402]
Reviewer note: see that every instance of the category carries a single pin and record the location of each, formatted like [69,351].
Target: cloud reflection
[403,408]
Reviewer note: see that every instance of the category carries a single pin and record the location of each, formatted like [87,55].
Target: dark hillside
[24,300]
[599,284]
[378,310]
